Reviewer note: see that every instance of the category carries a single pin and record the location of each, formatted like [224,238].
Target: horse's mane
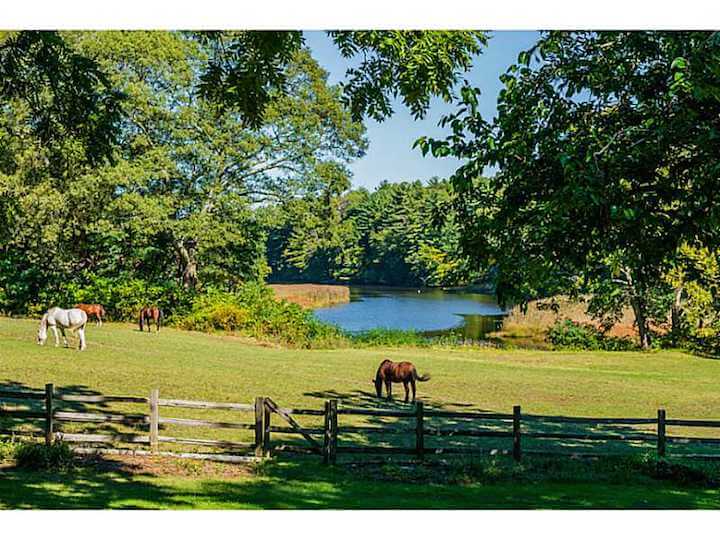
[380,367]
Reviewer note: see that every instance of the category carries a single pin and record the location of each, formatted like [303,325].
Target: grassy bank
[311,296]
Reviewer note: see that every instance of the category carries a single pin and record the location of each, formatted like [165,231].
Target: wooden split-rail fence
[55,410]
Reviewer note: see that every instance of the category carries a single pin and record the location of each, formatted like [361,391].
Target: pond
[431,311]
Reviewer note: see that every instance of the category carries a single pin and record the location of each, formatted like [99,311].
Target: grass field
[121,360]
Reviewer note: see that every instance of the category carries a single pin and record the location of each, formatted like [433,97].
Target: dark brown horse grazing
[93,309]
[390,372]
[148,314]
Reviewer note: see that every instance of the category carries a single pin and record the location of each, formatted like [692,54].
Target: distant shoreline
[312,295]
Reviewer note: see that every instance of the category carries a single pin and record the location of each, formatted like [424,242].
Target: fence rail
[50,409]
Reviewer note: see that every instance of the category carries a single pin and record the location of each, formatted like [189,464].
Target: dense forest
[160,166]
[402,233]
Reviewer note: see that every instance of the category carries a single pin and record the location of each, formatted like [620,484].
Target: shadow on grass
[587,441]
[38,405]
[303,484]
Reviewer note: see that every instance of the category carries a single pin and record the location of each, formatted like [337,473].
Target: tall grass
[311,296]
[529,328]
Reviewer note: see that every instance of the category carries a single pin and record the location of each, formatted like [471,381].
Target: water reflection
[432,311]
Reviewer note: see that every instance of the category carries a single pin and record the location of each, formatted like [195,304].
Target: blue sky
[390,155]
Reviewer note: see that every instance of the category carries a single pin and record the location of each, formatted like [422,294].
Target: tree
[399,234]
[64,93]
[203,171]
[179,202]
[606,145]
[695,278]
[242,71]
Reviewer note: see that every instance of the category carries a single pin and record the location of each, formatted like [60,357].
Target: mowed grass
[122,361]
[311,486]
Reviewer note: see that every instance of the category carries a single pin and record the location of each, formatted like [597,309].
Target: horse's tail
[422,378]
[161,315]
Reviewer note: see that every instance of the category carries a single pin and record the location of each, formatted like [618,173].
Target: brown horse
[148,314]
[93,309]
[390,372]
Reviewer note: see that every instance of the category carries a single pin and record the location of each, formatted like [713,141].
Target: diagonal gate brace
[290,420]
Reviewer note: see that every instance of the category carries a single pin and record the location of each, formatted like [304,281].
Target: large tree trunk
[640,311]
[187,263]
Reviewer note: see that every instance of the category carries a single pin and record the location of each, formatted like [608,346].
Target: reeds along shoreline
[311,295]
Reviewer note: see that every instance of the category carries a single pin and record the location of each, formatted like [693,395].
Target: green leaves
[66,94]
[414,65]
[177,206]
[401,234]
[246,69]
[604,148]
[679,63]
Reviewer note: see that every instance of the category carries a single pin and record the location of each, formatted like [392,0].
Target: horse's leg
[407,391]
[57,337]
[81,335]
[62,331]
[99,320]
[388,388]
[412,385]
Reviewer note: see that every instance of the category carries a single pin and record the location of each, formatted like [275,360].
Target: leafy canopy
[606,146]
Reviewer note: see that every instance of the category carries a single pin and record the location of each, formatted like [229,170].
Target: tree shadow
[19,425]
[81,488]
[379,431]
[302,483]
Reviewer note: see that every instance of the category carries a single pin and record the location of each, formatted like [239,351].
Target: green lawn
[306,485]
[121,360]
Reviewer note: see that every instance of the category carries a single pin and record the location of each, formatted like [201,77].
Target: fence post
[267,413]
[49,427]
[259,416]
[327,435]
[517,453]
[154,419]
[661,433]
[333,431]
[419,430]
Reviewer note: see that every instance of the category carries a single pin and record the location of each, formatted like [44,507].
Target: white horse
[72,319]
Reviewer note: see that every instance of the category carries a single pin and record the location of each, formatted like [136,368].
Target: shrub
[122,297]
[8,449]
[57,456]
[389,337]
[254,311]
[567,334]
[227,317]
